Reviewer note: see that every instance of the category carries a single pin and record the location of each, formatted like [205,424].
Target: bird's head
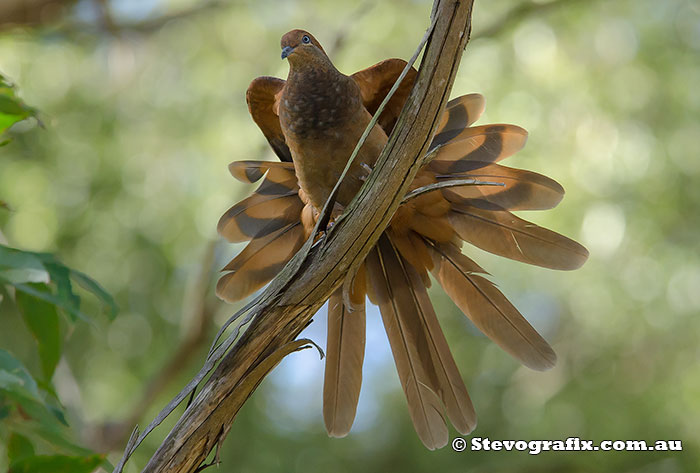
[300,45]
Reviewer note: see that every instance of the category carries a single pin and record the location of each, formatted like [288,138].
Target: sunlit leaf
[12,109]
[25,275]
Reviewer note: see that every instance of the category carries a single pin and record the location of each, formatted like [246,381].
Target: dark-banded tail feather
[259,262]
[520,189]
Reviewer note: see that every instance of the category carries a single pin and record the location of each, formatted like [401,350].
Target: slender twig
[451,183]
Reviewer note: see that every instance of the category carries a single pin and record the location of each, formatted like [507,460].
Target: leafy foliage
[12,109]
[30,407]
[30,412]
[43,289]
[23,269]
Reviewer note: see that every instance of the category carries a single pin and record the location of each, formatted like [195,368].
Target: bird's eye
[305,39]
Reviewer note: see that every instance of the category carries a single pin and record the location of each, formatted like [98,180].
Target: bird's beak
[286,51]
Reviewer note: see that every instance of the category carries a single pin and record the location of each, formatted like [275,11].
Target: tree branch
[293,298]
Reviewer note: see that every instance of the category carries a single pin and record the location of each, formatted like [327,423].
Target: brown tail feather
[450,386]
[484,143]
[521,190]
[504,234]
[409,346]
[426,368]
[259,215]
[259,262]
[463,280]
[345,353]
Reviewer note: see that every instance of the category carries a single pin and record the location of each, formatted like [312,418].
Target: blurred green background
[143,106]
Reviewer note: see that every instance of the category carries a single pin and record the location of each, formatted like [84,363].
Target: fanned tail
[502,233]
[424,236]
[463,280]
[428,373]
[479,214]
[270,219]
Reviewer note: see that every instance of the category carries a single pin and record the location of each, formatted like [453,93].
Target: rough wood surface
[271,335]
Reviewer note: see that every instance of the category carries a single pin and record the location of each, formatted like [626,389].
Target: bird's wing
[274,205]
[263,98]
[376,81]
[270,218]
[252,171]
[484,143]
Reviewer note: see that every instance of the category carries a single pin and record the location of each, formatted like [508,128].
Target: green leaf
[96,289]
[11,106]
[53,299]
[15,378]
[18,259]
[43,321]
[57,464]
[22,275]
[12,109]
[60,275]
[4,410]
[18,268]
[19,447]
[19,386]
[54,435]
